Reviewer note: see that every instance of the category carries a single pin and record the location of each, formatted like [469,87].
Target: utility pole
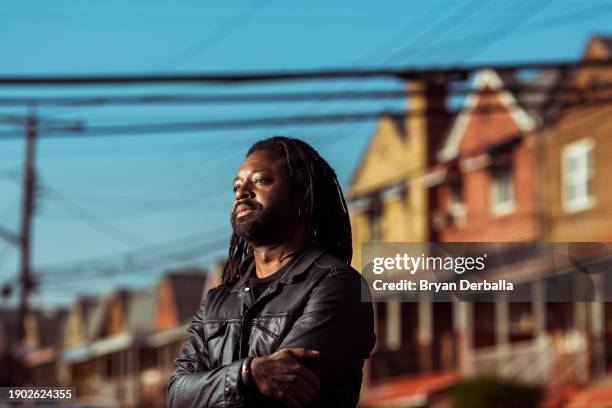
[23,240]
[27,210]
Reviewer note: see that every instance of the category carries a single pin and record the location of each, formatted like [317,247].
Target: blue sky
[103,197]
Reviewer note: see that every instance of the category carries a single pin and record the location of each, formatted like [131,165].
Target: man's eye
[235,188]
[260,180]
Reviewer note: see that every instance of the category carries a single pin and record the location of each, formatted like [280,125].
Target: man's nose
[243,192]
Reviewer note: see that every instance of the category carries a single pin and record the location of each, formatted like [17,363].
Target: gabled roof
[399,130]
[515,104]
[188,289]
[50,325]
[91,310]
[599,46]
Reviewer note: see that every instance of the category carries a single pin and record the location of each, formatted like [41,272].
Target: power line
[481,41]
[432,13]
[93,220]
[188,99]
[444,24]
[449,73]
[571,18]
[536,26]
[129,263]
[162,250]
[136,267]
[239,123]
[218,34]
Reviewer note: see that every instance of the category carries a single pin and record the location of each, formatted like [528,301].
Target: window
[502,190]
[577,175]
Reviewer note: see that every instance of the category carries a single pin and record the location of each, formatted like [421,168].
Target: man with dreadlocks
[292,323]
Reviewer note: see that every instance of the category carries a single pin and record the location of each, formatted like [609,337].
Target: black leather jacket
[316,304]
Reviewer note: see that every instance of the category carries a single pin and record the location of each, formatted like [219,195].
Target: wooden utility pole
[27,210]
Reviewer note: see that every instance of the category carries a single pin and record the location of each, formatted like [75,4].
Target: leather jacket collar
[299,266]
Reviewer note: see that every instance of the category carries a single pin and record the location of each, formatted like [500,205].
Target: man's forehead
[261,160]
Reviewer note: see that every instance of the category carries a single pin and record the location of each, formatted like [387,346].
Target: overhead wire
[247,98]
[137,129]
[478,42]
[448,72]
[215,36]
[94,221]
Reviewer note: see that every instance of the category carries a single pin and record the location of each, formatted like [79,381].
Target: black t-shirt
[259,285]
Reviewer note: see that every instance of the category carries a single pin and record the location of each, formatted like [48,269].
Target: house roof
[92,313]
[188,289]
[605,40]
[397,123]
[526,105]
[50,325]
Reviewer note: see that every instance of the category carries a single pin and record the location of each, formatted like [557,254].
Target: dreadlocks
[324,210]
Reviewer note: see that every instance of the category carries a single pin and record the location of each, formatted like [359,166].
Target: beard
[256,227]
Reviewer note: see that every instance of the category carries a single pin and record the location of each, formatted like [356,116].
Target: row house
[118,349]
[515,164]
[576,149]
[487,190]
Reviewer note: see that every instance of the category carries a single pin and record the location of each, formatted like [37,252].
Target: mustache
[246,205]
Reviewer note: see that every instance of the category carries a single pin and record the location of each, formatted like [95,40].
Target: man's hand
[280,376]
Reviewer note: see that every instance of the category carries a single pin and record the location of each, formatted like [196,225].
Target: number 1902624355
[14,394]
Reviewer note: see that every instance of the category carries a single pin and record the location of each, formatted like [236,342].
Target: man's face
[263,202]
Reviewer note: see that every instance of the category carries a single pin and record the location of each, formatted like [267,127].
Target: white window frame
[580,150]
[503,207]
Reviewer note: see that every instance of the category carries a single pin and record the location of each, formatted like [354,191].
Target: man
[292,323]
